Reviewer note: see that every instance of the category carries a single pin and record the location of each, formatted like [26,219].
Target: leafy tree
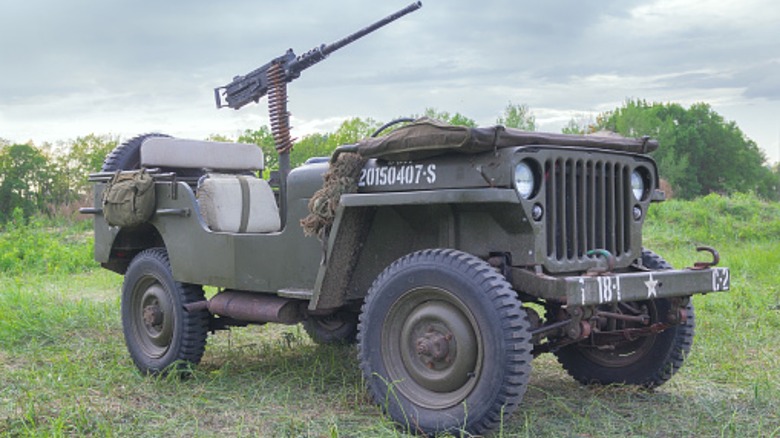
[517,116]
[265,140]
[76,160]
[573,127]
[25,180]
[579,125]
[453,119]
[353,130]
[313,145]
[88,153]
[700,152]
[773,182]
[220,138]
[322,145]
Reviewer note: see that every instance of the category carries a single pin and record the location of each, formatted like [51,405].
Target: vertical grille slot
[588,207]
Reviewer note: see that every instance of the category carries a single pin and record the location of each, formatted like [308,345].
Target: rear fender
[115,247]
[128,242]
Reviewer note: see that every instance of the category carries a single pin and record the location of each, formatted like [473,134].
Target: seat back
[167,152]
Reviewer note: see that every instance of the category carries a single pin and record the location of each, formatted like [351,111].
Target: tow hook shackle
[608,256]
[705,265]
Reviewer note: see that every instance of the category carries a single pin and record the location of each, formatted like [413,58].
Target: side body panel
[269,262]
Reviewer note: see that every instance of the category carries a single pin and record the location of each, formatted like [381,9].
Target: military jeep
[452,256]
[450,270]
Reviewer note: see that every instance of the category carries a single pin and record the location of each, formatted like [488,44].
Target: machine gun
[255,84]
[272,79]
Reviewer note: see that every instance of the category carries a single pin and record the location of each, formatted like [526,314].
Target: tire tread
[194,324]
[514,323]
[673,358]
[127,156]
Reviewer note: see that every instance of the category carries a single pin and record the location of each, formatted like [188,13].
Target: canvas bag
[129,198]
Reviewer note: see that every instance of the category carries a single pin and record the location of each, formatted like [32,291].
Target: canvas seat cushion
[238,204]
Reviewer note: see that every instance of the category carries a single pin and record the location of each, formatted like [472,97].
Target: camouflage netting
[341,177]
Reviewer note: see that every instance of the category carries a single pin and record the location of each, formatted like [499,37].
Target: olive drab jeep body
[452,256]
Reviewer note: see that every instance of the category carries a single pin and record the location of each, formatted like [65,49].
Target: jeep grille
[588,207]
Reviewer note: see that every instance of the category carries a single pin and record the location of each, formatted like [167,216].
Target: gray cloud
[157,62]
[762,80]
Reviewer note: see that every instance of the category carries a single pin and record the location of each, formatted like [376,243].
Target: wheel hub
[154,324]
[438,346]
[153,315]
[433,348]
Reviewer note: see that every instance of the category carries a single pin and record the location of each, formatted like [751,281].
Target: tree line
[700,153]
[40,179]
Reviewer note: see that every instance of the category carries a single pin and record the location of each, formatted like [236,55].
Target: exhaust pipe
[251,307]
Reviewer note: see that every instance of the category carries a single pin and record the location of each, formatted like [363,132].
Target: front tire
[444,344]
[647,361]
[158,331]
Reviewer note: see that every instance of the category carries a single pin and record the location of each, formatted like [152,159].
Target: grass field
[65,371]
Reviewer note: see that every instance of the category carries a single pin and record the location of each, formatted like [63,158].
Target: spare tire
[127,156]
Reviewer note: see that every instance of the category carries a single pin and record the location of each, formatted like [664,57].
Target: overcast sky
[70,68]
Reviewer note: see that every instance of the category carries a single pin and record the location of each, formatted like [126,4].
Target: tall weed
[713,219]
[48,311]
[45,246]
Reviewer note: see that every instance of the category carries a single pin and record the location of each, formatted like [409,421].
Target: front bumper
[620,287]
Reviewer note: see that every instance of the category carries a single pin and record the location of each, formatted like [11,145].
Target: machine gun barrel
[328,49]
[254,85]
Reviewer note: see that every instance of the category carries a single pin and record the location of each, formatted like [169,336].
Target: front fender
[372,230]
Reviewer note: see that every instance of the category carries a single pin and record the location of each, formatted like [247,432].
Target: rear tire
[444,344]
[159,332]
[647,361]
[335,329]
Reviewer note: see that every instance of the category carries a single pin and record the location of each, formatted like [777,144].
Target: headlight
[524,180]
[637,185]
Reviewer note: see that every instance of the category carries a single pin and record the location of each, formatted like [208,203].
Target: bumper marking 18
[637,286]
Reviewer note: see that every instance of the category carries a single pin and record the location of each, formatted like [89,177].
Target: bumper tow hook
[698,266]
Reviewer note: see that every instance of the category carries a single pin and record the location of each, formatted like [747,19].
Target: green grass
[65,370]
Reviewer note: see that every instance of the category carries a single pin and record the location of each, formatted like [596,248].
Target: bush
[42,246]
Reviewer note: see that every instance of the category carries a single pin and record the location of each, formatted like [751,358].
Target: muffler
[251,307]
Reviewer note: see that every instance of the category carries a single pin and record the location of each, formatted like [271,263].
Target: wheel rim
[431,347]
[626,352]
[152,317]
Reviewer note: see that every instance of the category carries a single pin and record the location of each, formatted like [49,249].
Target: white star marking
[651,287]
